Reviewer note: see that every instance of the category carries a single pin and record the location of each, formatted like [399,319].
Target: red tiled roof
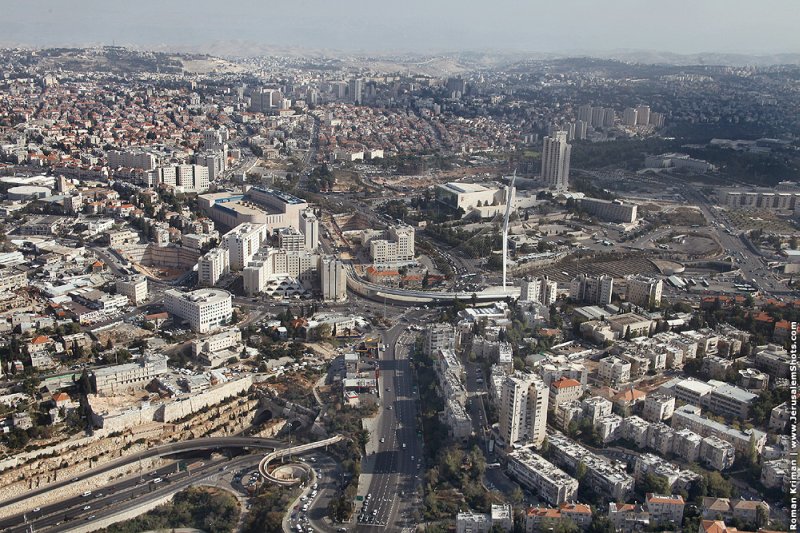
[544,513]
[576,508]
[566,382]
[655,498]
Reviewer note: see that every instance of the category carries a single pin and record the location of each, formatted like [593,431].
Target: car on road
[37,509]
[390,408]
[404,445]
[383,440]
[90,517]
[87,507]
[87,494]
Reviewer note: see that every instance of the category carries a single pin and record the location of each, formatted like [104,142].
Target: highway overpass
[380,293]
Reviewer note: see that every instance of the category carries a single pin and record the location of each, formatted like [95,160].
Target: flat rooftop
[464,187]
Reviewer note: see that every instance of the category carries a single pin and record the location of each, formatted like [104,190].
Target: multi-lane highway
[111,499]
[318,495]
[394,465]
[749,263]
[210,443]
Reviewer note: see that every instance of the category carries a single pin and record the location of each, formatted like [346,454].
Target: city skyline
[574,27]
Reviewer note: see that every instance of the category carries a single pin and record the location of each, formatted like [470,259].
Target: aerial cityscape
[253,283]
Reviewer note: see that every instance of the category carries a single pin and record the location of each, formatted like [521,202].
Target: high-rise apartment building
[585,114]
[598,116]
[642,115]
[212,266]
[456,87]
[334,279]
[580,130]
[540,290]
[629,116]
[215,139]
[609,117]
[185,178]
[592,289]
[523,409]
[555,161]
[263,100]
[356,90]
[644,291]
[134,158]
[656,119]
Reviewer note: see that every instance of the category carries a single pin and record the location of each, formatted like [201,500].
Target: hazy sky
[682,26]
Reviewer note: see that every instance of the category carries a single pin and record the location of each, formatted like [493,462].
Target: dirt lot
[697,245]
[683,216]
[122,334]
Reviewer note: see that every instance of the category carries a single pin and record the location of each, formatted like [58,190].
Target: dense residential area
[417,293]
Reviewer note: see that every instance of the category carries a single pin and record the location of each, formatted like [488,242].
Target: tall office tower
[356,89]
[609,117]
[592,289]
[629,116]
[242,243]
[643,115]
[580,130]
[523,409]
[555,161]
[585,113]
[309,226]
[333,278]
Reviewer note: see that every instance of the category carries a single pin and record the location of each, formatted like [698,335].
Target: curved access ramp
[285,452]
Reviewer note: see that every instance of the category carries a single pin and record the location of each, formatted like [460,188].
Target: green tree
[600,524]
[655,484]
[517,496]
[580,471]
